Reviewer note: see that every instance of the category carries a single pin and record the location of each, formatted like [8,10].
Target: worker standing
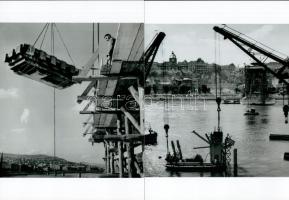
[111,43]
[286,110]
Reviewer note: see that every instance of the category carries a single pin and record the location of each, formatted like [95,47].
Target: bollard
[235,163]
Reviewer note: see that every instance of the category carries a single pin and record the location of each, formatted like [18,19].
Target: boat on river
[231,101]
[258,101]
[251,111]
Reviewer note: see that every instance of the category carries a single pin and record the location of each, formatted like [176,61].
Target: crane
[252,47]
[120,128]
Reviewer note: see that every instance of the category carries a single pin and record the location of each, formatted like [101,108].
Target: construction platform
[115,101]
[194,167]
[36,64]
[114,95]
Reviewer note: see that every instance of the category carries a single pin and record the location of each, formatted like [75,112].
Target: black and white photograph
[57,102]
[144,100]
[136,100]
[218,99]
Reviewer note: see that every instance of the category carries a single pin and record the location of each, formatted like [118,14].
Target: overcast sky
[26,115]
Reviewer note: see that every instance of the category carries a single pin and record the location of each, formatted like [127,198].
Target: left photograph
[72,99]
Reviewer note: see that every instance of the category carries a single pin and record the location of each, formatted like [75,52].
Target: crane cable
[65,46]
[43,34]
[166,102]
[39,35]
[47,27]
[285,107]
[256,42]
[52,49]
[217,77]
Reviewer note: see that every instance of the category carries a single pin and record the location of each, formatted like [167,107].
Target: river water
[257,156]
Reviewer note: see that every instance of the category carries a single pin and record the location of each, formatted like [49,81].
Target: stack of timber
[279,137]
[286,156]
[37,65]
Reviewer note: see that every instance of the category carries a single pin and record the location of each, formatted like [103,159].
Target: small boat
[251,111]
[257,101]
[231,101]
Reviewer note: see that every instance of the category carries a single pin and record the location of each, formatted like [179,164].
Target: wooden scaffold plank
[131,118]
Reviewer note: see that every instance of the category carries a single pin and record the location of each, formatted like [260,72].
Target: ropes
[62,40]
[273,50]
[43,33]
[52,51]
[44,36]
[54,126]
[217,67]
[218,76]
[52,39]
[165,89]
[92,47]
[166,103]
[220,69]
[40,34]
[54,101]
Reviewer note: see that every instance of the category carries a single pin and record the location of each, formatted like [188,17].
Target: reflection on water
[256,155]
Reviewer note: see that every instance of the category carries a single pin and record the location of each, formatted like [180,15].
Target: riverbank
[190,97]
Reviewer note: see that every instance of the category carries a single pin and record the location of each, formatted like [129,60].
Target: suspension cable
[45,30]
[54,99]
[62,40]
[166,102]
[217,75]
[264,45]
[220,69]
[216,81]
[40,34]
[44,36]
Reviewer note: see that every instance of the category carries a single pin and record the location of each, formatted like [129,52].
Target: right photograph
[217,96]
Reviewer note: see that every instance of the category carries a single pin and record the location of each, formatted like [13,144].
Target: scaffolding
[114,97]
[117,115]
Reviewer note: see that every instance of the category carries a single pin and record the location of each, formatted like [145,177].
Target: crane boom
[242,43]
[150,53]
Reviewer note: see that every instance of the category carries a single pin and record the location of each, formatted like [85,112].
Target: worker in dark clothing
[111,43]
[286,110]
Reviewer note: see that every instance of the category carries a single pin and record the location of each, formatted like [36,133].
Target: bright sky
[190,42]
[27,106]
